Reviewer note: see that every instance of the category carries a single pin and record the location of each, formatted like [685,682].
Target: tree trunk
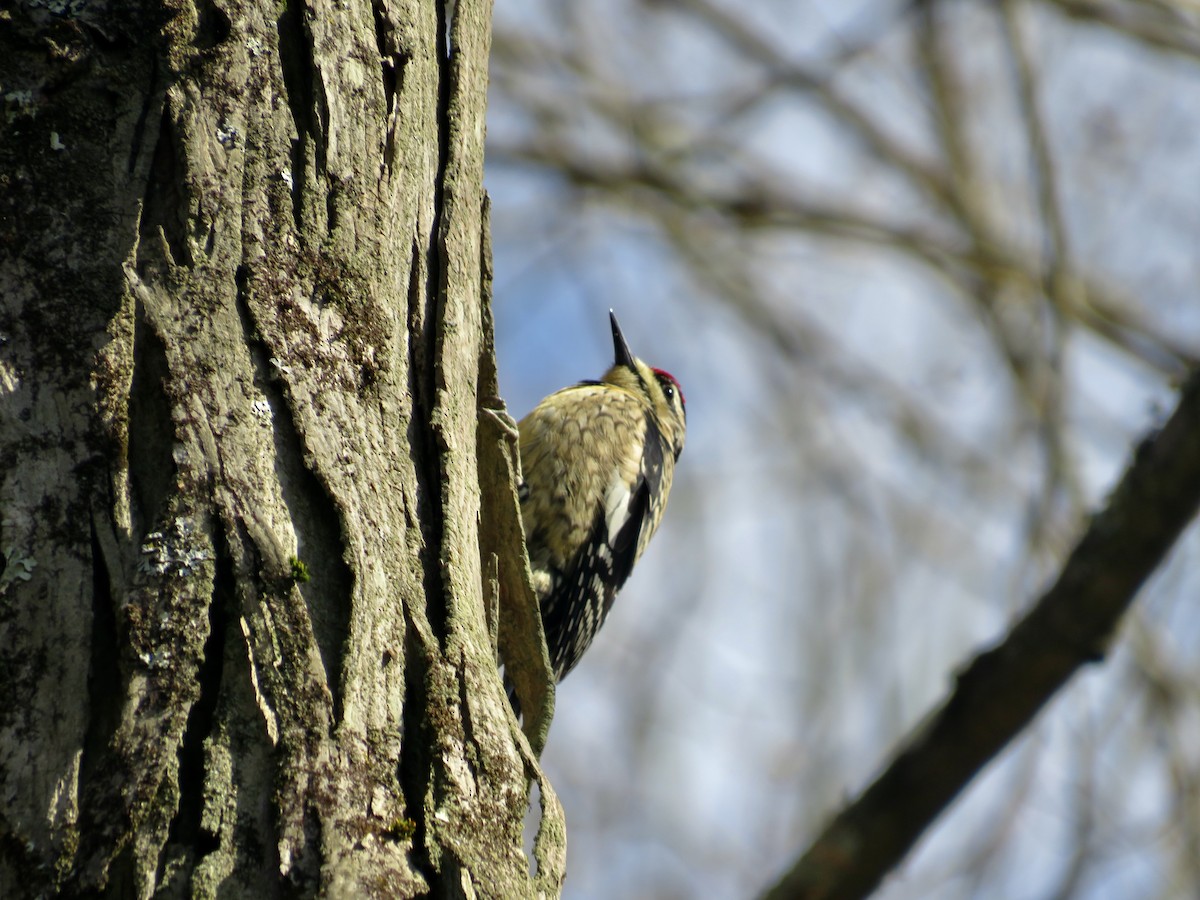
[245,644]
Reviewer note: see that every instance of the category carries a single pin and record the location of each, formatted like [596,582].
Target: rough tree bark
[247,628]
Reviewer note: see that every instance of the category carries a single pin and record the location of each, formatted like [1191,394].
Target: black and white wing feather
[582,595]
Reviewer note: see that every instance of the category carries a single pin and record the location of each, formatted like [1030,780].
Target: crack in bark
[422,388]
[392,61]
[416,763]
[187,833]
[287,700]
[425,367]
[297,68]
[317,518]
[152,103]
[161,226]
[150,460]
[106,688]
[308,103]
[212,28]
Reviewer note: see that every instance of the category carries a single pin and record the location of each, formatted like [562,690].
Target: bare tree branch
[1158,27]
[1002,689]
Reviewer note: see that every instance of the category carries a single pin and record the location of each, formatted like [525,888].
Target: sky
[851,521]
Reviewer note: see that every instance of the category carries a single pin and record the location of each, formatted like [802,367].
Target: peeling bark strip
[1002,689]
[244,640]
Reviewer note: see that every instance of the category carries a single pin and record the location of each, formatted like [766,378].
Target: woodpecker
[597,460]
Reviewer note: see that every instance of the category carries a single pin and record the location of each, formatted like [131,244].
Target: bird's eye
[670,387]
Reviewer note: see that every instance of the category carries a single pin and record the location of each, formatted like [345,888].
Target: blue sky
[854,520]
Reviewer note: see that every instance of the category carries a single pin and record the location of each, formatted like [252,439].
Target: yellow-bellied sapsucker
[597,460]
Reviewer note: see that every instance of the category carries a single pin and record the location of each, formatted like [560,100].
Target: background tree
[927,274]
[243,345]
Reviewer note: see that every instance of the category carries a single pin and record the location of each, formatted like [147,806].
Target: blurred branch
[950,117]
[727,25]
[1170,693]
[1156,25]
[963,244]
[1001,690]
[1045,173]
[1058,281]
[760,203]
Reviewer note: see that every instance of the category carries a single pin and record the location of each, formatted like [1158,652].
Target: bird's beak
[620,348]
